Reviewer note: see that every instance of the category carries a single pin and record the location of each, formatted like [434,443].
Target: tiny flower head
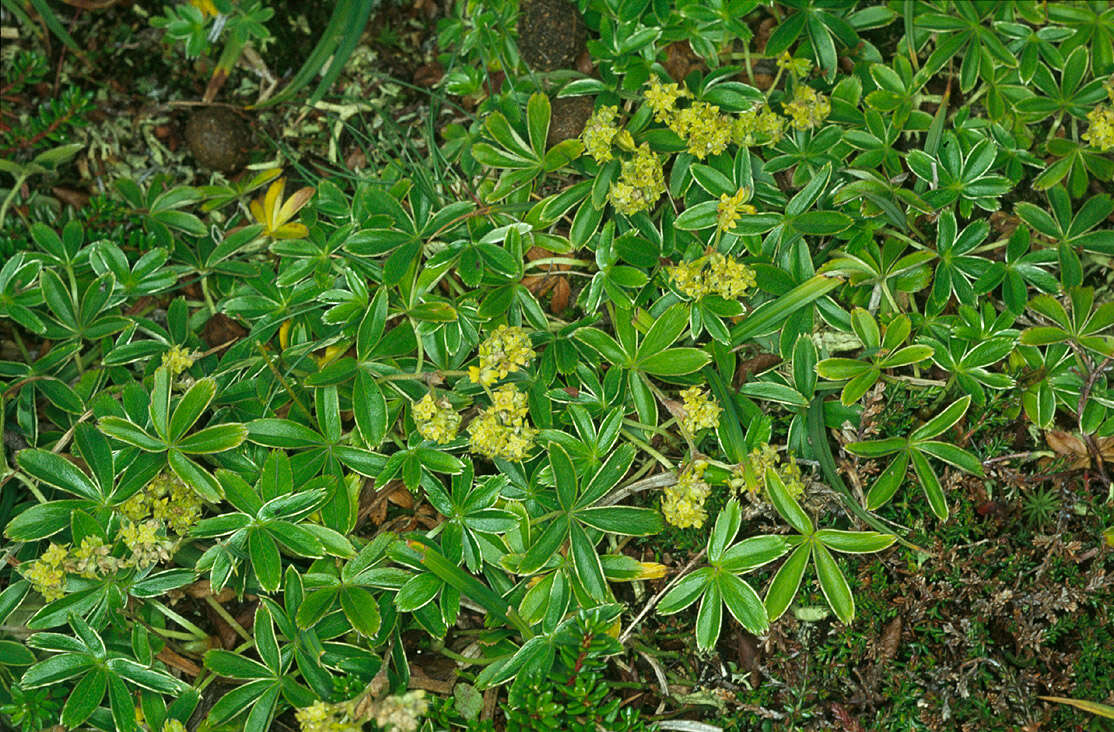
[505,351]
[701,411]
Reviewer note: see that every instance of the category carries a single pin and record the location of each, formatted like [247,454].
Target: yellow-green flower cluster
[758,126]
[662,98]
[47,574]
[701,411]
[436,419]
[1100,133]
[401,712]
[599,132]
[808,109]
[167,499]
[143,541]
[714,274]
[704,127]
[683,504]
[641,183]
[501,431]
[178,359]
[731,209]
[505,351]
[324,717]
[797,67]
[173,725]
[751,473]
[92,558]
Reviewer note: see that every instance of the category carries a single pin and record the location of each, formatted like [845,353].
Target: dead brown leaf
[551,280]
[183,664]
[1073,446]
[890,640]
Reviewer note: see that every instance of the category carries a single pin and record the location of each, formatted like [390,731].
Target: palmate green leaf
[283,433]
[942,422]
[418,591]
[783,587]
[564,476]
[586,562]
[754,552]
[769,316]
[121,704]
[608,475]
[743,603]
[786,505]
[265,559]
[191,406]
[686,592]
[709,618]
[130,433]
[888,481]
[84,698]
[216,438]
[833,584]
[145,678]
[933,490]
[724,531]
[55,669]
[370,409]
[667,328]
[952,455]
[675,362]
[234,666]
[545,546]
[622,520]
[361,610]
[537,121]
[55,470]
[194,476]
[855,542]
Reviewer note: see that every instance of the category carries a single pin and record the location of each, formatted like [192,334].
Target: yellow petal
[295,203]
[291,231]
[272,202]
[284,334]
[257,212]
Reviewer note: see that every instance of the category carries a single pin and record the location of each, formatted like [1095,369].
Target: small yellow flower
[704,127]
[92,558]
[436,420]
[732,208]
[683,504]
[751,473]
[662,98]
[701,411]
[641,183]
[808,109]
[797,67]
[276,214]
[1100,133]
[178,359]
[47,574]
[501,431]
[165,499]
[758,126]
[145,544]
[505,351]
[716,274]
[599,131]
